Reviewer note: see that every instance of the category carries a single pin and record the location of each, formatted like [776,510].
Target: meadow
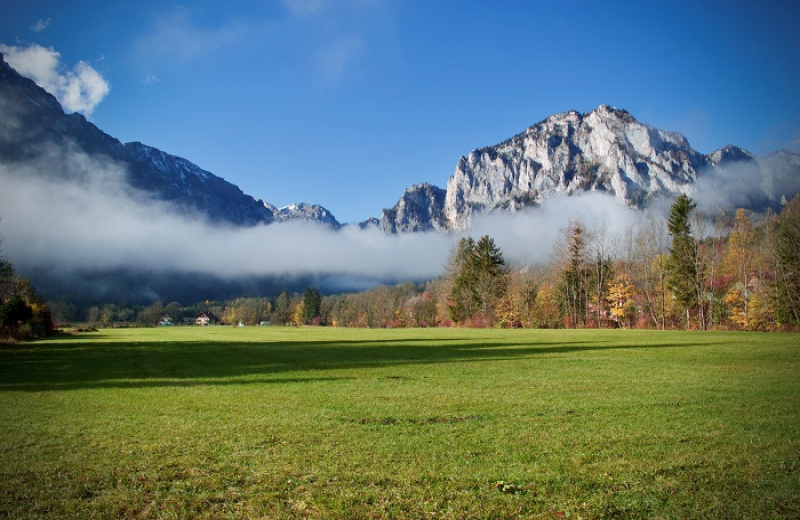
[271,422]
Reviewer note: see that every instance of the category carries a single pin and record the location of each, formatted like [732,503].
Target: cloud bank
[85,218]
[79,89]
[88,217]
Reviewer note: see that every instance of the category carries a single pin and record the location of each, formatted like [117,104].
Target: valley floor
[271,422]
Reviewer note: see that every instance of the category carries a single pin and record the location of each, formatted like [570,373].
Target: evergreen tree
[684,272]
[461,298]
[489,274]
[574,278]
[480,279]
[312,302]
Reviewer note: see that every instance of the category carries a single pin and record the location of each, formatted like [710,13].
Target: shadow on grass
[95,363]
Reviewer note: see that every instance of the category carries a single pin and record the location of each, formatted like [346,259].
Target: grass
[440,423]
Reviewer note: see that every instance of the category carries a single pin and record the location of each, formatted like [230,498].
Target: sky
[345,103]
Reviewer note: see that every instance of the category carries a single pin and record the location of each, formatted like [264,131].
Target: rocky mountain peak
[306,212]
[729,154]
[419,209]
[606,150]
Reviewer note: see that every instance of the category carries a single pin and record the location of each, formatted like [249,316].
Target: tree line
[687,271]
[23,315]
[737,272]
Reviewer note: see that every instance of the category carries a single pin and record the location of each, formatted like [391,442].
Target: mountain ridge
[34,120]
[606,150]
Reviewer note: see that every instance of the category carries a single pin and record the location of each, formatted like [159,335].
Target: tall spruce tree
[480,279]
[574,278]
[312,303]
[461,299]
[489,273]
[684,272]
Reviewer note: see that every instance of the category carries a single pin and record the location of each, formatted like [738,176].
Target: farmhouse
[206,318]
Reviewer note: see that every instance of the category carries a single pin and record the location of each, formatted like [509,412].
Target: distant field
[268,422]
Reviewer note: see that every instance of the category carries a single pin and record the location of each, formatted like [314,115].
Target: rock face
[32,121]
[307,212]
[370,223]
[421,208]
[187,185]
[605,150]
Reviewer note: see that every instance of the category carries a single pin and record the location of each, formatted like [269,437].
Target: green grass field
[440,423]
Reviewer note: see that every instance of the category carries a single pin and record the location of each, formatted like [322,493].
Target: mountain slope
[421,208]
[603,150]
[33,122]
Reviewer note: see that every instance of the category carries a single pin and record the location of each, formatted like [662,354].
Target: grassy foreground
[440,423]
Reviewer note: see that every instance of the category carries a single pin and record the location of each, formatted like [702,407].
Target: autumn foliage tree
[787,242]
[23,315]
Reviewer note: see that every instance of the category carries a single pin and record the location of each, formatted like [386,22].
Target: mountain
[33,123]
[306,212]
[421,208]
[606,150]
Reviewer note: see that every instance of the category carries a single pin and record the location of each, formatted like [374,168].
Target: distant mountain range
[605,150]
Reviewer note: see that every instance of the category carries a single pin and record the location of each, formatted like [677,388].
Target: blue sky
[345,103]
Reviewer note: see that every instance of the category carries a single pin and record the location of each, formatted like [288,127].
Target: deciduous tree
[787,238]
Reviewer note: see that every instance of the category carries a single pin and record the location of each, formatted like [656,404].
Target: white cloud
[149,79]
[176,36]
[529,237]
[78,90]
[41,25]
[337,59]
[84,215]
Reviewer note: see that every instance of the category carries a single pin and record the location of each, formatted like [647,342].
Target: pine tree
[480,279]
[461,298]
[683,267]
[312,302]
[489,274]
[575,276]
